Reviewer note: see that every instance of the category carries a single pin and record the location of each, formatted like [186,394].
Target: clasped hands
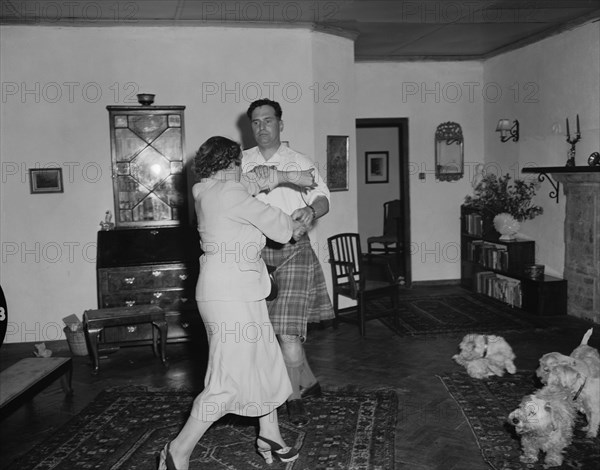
[303,219]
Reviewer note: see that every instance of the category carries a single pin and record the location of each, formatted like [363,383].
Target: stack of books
[490,255]
[499,287]
[473,224]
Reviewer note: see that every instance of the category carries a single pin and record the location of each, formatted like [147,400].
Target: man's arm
[307,215]
[264,178]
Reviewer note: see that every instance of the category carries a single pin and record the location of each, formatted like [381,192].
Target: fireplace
[582,237]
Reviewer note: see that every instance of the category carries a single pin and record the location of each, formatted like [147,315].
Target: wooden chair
[349,280]
[391,240]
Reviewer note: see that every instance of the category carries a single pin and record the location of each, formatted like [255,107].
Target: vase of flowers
[506,203]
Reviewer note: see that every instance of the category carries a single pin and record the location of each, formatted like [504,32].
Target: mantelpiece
[562,173]
[582,236]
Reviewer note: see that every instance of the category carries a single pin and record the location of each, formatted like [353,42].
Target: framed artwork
[337,162]
[377,167]
[45,180]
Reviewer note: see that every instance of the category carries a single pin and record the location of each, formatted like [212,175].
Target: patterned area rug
[486,405]
[125,428]
[449,314]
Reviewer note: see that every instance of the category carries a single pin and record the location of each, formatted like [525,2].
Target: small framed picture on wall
[45,180]
[377,167]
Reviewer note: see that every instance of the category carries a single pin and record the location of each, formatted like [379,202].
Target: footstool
[94,321]
[28,376]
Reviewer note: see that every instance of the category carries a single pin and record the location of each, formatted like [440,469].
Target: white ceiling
[391,30]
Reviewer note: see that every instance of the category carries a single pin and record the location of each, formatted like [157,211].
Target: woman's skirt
[246,374]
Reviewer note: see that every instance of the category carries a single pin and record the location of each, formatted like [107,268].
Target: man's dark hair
[264,102]
[215,154]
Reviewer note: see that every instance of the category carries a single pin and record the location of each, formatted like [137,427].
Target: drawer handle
[131,329]
[157,295]
[157,273]
[129,280]
[130,303]
[153,232]
[185,324]
[183,277]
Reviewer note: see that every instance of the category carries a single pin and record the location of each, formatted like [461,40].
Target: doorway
[384,140]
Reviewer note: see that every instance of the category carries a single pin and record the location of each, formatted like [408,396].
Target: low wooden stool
[94,321]
[28,376]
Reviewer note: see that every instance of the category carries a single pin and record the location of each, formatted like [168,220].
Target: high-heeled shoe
[284,454]
[165,461]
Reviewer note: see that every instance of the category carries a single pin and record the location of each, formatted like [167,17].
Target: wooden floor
[431,430]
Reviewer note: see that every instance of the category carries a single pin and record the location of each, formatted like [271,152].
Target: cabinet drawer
[132,279]
[125,334]
[167,299]
[185,324]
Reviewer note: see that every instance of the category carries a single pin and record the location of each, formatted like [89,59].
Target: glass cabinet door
[148,165]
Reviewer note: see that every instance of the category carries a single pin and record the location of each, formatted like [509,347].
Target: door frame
[401,125]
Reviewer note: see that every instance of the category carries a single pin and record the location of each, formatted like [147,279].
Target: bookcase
[496,268]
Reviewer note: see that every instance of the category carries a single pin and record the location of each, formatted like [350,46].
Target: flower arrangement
[496,195]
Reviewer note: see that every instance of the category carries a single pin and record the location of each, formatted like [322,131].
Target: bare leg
[182,446]
[292,351]
[307,378]
[269,428]
[270,443]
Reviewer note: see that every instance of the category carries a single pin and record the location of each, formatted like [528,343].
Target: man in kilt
[302,295]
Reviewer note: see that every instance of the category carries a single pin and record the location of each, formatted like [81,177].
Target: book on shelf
[499,287]
[489,255]
[473,224]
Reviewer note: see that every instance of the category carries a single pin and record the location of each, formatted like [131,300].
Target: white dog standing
[485,355]
[545,422]
[580,373]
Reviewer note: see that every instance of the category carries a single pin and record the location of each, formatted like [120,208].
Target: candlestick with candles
[573,141]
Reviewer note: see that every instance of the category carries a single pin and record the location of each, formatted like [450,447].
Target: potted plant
[508,204]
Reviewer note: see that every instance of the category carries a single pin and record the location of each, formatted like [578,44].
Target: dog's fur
[580,373]
[584,390]
[585,359]
[545,422]
[485,355]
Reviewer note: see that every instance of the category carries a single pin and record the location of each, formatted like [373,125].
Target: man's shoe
[297,413]
[313,391]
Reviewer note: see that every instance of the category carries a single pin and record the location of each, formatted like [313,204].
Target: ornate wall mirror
[449,152]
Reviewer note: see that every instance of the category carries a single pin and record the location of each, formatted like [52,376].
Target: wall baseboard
[441,282]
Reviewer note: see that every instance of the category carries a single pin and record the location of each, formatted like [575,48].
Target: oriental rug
[454,314]
[125,428]
[486,405]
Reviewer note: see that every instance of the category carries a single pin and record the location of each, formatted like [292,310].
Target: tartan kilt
[303,295]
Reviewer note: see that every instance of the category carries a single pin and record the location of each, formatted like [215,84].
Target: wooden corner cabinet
[496,268]
[151,255]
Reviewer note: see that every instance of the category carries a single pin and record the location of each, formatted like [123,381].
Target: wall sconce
[508,131]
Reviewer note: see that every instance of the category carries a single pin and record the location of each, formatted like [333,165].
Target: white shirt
[288,199]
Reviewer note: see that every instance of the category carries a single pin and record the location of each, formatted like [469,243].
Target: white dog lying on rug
[580,373]
[545,422]
[485,355]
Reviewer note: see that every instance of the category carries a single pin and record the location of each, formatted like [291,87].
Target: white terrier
[585,359]
[485,355]
[580,373]
[545,422]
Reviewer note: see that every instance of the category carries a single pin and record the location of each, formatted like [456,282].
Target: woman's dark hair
[265,102]
[215,154]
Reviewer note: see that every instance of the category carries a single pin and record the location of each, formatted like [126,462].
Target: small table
[30,375]
[94,321]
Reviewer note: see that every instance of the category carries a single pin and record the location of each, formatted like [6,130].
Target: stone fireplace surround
[581,187]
